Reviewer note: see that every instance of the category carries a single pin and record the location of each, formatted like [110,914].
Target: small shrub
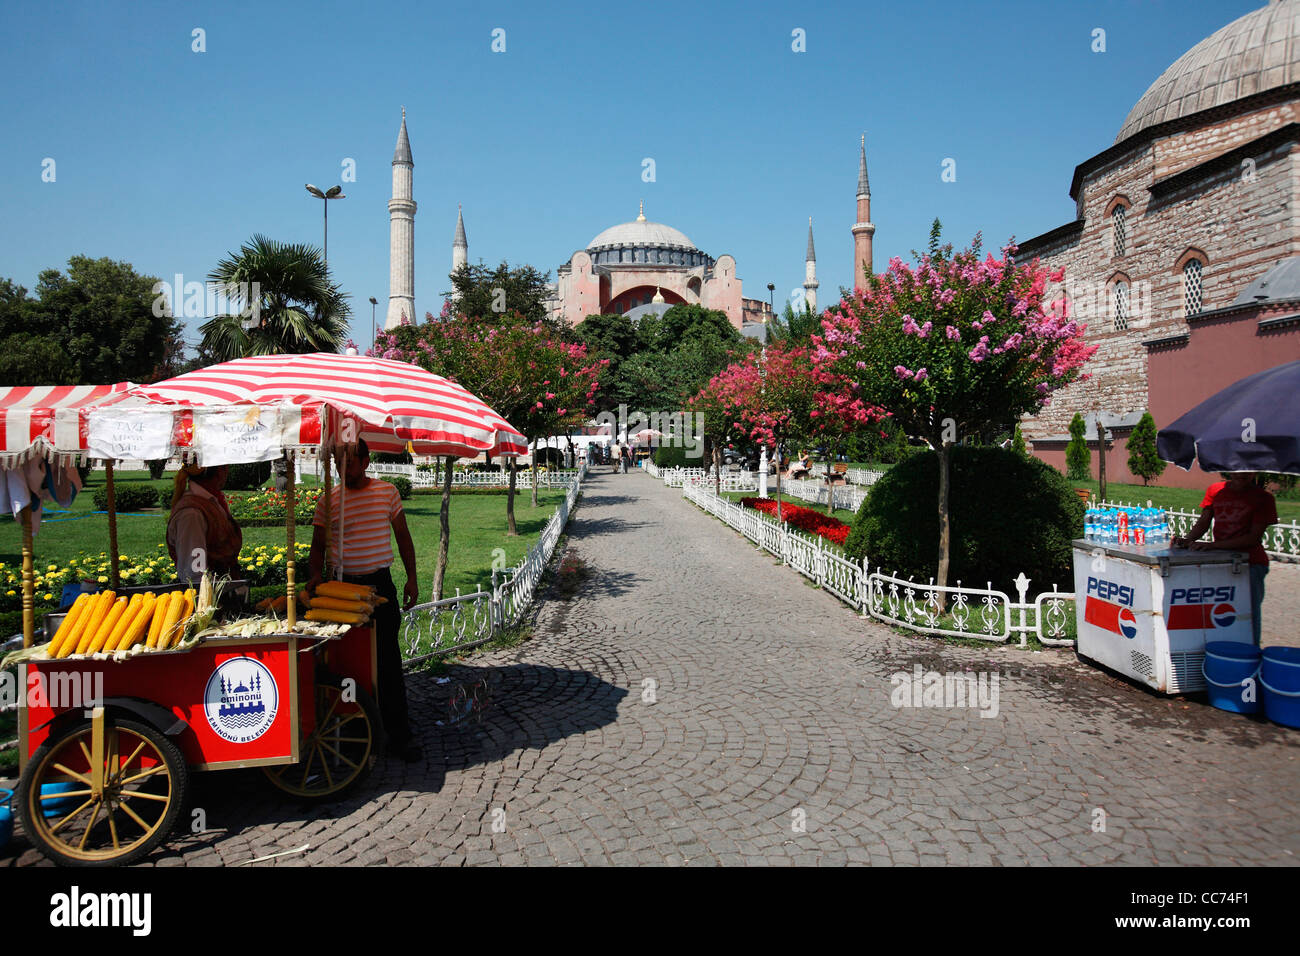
[248,477]
[402,483]
[1008,514]
[391,457]
[1143,460]
[1078,459]
[674,456]
[156,467]
[128,496]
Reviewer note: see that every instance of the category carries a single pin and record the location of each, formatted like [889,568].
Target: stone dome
[641,232]
[1254,53]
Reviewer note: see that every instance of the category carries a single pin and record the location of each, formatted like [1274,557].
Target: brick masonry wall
[1243,225]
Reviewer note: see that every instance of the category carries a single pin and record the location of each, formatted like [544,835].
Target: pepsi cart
[1147,611]
[104,784]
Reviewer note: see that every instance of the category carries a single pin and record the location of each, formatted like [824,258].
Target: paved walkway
[690,701]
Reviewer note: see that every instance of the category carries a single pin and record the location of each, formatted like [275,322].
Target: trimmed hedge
[674,456]
[128,496]
[402,483]
[247,477]
[1008,514]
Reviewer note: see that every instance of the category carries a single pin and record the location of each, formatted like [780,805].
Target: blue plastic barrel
[1227,664]
[61,806]
[1279,674]
[6,817]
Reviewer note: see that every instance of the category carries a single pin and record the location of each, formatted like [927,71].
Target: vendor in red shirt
[1241,511]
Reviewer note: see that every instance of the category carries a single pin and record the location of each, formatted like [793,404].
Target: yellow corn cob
[173,635]
[338,617]
[125,623]
[139,625]
[86,634]
[159,616]
[115,614]
[174,609]
[346,592]
[337,604]
[69,625]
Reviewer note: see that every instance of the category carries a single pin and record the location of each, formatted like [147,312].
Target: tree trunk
[444,539]
[1101,460]
[830,489]
[510,500]
[945,531]
[778,481]
[717,470]
[534,467]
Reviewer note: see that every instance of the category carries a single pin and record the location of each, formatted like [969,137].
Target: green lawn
[477,528]
[1178,499]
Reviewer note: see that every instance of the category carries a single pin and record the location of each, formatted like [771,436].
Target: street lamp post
[373,302]
[762,457]
[334,192]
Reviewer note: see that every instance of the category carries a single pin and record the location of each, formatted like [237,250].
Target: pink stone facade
[1233,208]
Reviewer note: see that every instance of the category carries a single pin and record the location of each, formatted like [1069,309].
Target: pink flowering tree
[540,384]
[954,346]
[780,397]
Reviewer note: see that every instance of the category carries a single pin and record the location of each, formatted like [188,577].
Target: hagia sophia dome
[642,242]
[1254,53]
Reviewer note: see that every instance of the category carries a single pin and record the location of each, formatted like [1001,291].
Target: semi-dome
[1254,53]
[641,232]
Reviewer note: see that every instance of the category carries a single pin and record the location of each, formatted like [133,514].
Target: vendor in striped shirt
[372,510]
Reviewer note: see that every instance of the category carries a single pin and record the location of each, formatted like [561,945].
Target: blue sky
[170,158]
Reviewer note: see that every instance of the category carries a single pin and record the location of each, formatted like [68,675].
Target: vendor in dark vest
[201,520]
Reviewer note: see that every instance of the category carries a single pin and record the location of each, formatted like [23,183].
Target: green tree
[480,291]
[100,316]
[1078,459]
[794,328]
[1018,442]
[1142,458]
[298,308]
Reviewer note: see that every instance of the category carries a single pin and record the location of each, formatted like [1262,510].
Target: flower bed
[268,507]
[805,519]
[262,564]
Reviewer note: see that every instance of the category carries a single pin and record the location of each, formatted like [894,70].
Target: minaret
[459,245]
[863,230]
[401,236]
[810,282]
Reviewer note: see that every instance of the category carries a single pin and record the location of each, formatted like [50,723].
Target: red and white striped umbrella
[392,402]
[38,419]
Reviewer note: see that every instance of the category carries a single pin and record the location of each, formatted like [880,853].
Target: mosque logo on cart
[241,700]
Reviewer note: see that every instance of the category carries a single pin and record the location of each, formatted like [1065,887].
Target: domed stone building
[1180,255]
[627,266]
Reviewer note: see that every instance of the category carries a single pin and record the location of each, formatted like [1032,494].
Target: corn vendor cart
[109,739]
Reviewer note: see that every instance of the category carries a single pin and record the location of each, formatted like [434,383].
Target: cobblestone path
[686,700]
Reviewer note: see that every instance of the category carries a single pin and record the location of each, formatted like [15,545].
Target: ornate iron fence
[983,613]
[468,620]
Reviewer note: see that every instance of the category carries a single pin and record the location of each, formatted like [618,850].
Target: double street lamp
[334,192]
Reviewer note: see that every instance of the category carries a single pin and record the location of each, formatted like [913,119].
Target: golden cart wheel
[340,751]
[133,809]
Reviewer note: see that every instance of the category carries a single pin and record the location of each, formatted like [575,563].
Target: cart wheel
[131,811]
[339,752]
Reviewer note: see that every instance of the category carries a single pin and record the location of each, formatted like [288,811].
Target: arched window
[1120,229]
[1121,306]
[1192,286]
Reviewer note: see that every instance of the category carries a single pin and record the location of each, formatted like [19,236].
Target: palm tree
[300,309]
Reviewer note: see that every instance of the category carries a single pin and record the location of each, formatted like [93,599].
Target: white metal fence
[467,620]
[1281,541]
[426,478]
[848,497]
[984,613]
